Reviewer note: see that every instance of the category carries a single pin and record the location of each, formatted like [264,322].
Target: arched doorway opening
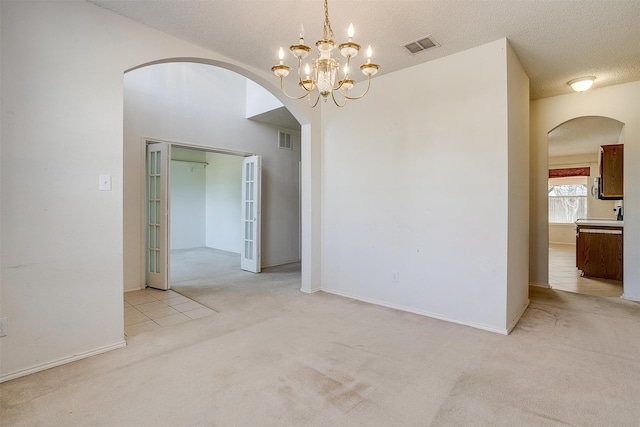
[574,163]
[204,109]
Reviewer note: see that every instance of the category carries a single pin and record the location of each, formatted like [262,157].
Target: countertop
[602,222]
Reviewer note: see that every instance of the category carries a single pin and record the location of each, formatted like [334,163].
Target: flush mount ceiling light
[581,84]
[325,76]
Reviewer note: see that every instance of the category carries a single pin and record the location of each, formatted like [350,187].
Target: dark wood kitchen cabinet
[599,251]
[611,171]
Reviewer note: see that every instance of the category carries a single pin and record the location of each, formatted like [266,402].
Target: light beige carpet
[273,356]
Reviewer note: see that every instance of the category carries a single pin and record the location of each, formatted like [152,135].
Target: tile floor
[564,276]
[149,309]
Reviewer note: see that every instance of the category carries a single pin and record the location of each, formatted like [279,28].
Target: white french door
[157,229]
[251,211]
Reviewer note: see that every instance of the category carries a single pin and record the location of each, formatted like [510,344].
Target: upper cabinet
[611,171]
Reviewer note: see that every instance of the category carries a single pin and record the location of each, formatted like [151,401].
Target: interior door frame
[167,209]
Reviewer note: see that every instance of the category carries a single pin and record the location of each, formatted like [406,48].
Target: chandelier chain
[327,30]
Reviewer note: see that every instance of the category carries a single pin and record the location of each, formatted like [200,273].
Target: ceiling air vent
[421,45]
[284,140]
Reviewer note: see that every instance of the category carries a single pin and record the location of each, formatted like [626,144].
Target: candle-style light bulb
[307,70]
[369,54]
[301,34]
[281,54]
[350,32]
[346,70]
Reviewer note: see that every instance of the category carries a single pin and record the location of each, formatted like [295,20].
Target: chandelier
[324,76]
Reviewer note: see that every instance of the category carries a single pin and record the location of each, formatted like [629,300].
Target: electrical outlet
[395,277]
[3,327]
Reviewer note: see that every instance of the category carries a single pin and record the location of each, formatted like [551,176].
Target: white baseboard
[630,298]
[311,291]
[63,361]
[540,285]
[134,289]
[280,263]
[420,312]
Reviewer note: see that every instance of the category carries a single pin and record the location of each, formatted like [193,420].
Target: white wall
[188,185]
[61,237]
[564,234]
[62,126]
[620,102]
[201,105]
[188,192]
[224,198]
[259,100]
[415,182]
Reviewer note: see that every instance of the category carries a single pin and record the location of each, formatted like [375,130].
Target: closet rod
[190,161]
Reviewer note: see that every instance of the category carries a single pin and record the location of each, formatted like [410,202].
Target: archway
[306,182]
[617,102]
[573,158]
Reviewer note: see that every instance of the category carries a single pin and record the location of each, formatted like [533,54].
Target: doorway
[573,163]
[215,214]
[190,206]
[206,193]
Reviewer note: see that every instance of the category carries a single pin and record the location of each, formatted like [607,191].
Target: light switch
[105,183]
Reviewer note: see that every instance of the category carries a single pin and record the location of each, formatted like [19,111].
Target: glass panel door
[251,186]
[156,252]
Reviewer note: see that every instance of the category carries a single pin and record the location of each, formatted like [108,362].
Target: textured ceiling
[583,135]
[555,41]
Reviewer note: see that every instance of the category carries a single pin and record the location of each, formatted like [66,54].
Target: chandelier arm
[333,96]
[300,77]
[315,103]
[345,78]
[289,96]
[365,92]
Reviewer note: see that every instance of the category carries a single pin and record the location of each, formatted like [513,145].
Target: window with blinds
[567,199]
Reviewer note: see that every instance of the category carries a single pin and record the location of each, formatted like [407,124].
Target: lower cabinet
[599,251]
